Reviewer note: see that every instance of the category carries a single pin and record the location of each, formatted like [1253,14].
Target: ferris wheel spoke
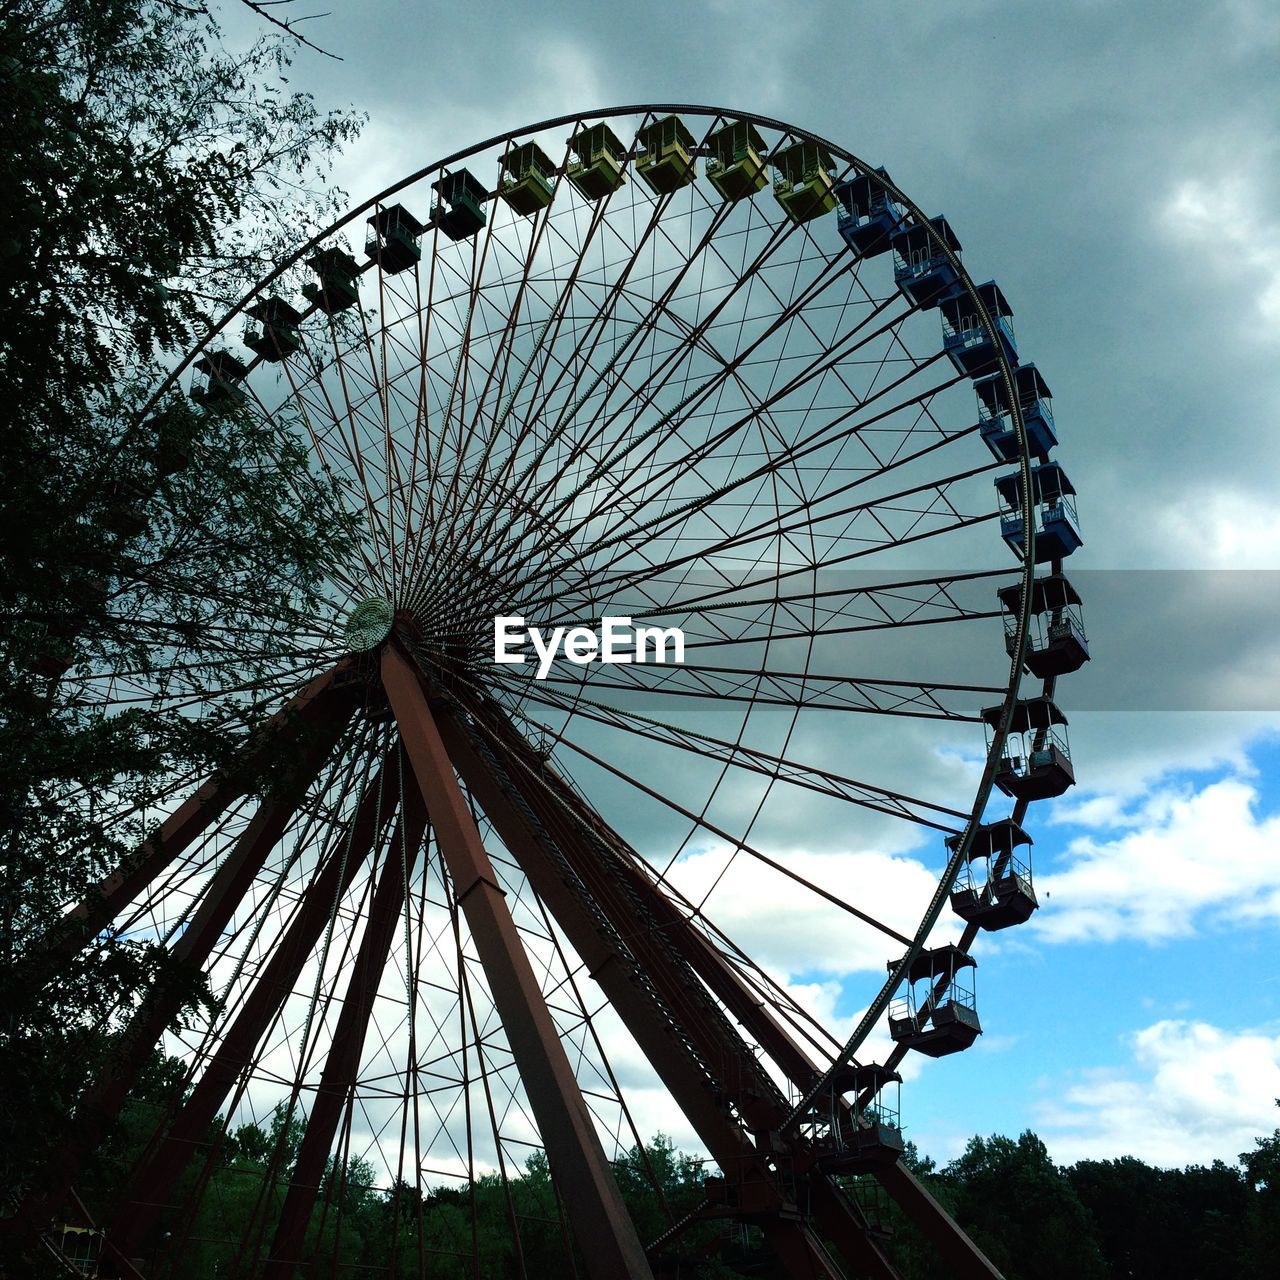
[240,1056]
[195,869]
[236,1055]
[341,1064]
[873,510]
[807,522]
[548,334]
[448,501]
[579,812]
[601,469]
[777,768]
[346,424]
[665,367]
[584,356]
[822,438]
[889,603]
[781,688]
[380,380]
[706,825]
[732,367]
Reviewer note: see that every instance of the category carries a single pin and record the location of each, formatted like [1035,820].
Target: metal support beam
[835,1214]
[957,1250]
[338,1080]
[832,1209]
[320,706]
[666,1038]
[98,1109]
[582,1172]
[171,1152]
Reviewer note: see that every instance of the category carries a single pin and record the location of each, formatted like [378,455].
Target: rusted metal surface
[676,1043]
[338,1079]
[582,1172]
[321,708]
[957,1250]
[170,1153]
[98,1109]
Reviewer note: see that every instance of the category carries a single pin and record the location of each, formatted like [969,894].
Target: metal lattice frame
[693,411]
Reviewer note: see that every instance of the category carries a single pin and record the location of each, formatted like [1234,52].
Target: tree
[149,177]
[1127,1201]
[1262,1175]
[1022,1211]
[1154,1223]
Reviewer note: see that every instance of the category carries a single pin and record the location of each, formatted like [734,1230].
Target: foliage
[1262,1177]
[1022,1210]
[1118,1217]
[149,177]
[1035,1220]
[512,1223]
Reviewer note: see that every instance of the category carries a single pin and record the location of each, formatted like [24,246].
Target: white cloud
[1225,528]
[1195,1093]
[1194,857]
[790,931]
[1219,216]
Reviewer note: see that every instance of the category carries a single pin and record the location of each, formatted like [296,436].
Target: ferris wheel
[708,531]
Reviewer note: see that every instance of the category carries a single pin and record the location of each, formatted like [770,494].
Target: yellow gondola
[597,169]
[804,186]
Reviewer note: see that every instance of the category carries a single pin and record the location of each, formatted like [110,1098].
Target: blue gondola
[1057,526]
[965,337]
[936,1025]
[867,216]
[1056,643]
[1036,763]
[996,424]
[1004,896]
[921,268]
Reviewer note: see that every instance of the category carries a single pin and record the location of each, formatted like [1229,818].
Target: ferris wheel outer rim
[983,792]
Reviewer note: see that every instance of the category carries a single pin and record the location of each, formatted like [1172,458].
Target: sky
[1116,166]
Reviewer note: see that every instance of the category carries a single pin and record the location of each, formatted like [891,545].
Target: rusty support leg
[98,1109]
[338,1079]
[313,711]
[957,1250]
[831,1207]
[610,1243]
[666,1040]
[160,1174]
[832,1210]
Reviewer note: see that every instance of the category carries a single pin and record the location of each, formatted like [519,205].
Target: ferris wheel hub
[368,624]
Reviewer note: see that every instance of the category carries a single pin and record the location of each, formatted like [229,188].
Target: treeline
[1102,1218]
[222,1214]
[1034,1219]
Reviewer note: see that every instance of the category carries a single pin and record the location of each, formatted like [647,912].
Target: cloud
[1222,217]
[1192,858]
[1194,1092]
[788,930]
